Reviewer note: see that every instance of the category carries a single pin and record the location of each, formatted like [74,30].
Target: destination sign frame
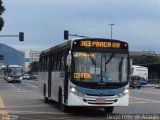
[100,43]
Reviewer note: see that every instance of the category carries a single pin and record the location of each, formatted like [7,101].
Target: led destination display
[112,44]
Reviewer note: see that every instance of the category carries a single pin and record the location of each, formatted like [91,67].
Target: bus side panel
[43,78]
[40,82]
[142,72]
[56,83]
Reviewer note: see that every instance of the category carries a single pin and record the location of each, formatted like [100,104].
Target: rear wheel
[108,110]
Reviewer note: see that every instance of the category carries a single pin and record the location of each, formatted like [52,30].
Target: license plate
[100,100]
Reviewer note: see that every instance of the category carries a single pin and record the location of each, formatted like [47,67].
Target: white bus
[86,72]
[142,72]
[13,73]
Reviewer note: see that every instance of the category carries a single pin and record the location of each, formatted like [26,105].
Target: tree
[2,9]
[144,59]
[33,67]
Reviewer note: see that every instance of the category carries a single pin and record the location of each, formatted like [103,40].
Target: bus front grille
[104,101]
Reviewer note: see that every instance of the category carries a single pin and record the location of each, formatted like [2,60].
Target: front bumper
[74,100]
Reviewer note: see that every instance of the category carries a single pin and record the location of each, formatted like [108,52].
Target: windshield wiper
[120,69]
[107,61]
[92,59]
[110,58]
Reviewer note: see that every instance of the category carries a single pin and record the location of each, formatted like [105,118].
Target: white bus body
[72,76]
[13,73]
[142,72]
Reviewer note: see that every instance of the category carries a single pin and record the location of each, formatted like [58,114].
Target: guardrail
[154,81]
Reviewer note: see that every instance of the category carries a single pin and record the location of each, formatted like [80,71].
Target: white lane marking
[147,92]
[37,112]
[12,85]
[31,85]
[3,113]
[143,100]
[26,106]
[19,91]
[2,105]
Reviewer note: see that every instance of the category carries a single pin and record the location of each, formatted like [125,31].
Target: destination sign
[101,44]
[80,54]
[82,75]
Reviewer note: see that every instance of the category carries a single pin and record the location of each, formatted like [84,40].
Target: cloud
[43,21]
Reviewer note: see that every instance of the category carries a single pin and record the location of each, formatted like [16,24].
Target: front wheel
[108,110]
[63,107]
[46,100]
[139,87]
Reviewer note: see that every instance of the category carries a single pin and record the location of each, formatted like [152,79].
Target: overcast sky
[43,22]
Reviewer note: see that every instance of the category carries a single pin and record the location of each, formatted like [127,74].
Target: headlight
[9,78]
[74,91]
[21,78]
[126,91]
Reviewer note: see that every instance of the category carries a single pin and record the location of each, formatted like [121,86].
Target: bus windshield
[96,67]
[14,71]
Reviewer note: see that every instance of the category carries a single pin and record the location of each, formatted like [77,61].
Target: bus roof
[65,43]
[138,66]
[14,66]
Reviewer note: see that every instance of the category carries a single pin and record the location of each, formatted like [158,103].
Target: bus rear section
[142,72]
[95,74]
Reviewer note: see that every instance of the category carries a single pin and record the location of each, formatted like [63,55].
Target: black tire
[139,87]
[62,107]
[108,110]
[46,100]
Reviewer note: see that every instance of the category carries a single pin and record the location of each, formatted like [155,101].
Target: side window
[44,67]
[63,59]
[55,61]
[43,64]
[52,62]
[47,64]
[40,64]
[58,60]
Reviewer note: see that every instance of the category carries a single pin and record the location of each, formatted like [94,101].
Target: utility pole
[111,28]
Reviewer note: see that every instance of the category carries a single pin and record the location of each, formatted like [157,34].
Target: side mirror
[68,60]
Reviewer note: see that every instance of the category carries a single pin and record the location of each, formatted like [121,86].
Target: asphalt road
[23,101]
